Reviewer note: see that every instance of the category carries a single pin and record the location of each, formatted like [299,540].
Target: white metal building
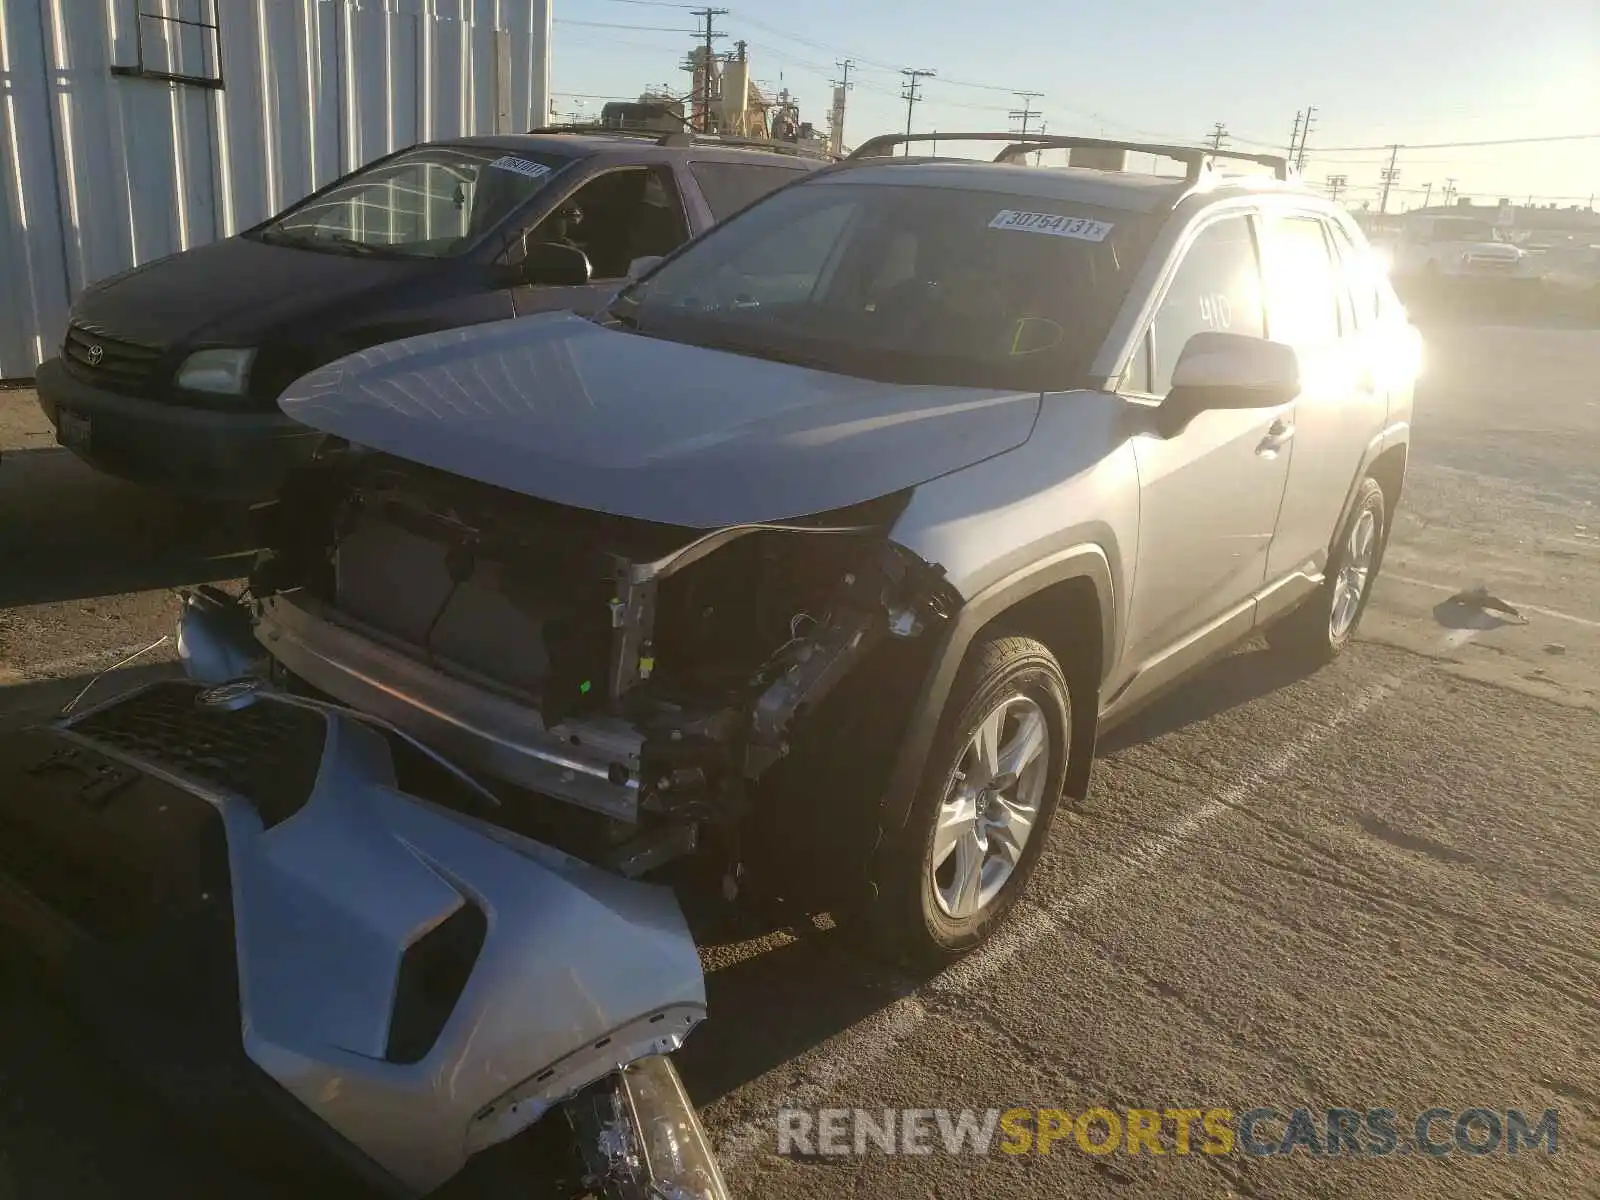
[131,129]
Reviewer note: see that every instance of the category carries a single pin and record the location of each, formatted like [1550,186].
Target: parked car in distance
[1451,250]
[169,373]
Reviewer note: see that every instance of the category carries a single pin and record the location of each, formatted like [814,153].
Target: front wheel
[979,820]
[1322,627]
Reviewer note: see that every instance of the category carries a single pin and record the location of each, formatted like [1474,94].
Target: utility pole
[1305,132]
[1427,193]
[841,86]
[1294,135]
[1336,184]
[1390,174]
[1218,135]
[1449,191]
[910,94]
[708,15]
[1025,114]
[1038,155]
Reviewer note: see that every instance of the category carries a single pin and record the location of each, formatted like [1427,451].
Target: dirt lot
[1374,888]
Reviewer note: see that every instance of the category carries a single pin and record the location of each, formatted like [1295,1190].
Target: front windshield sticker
[521,166]
[1054,224]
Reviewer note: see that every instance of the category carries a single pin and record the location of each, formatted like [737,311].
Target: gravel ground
[1374,887]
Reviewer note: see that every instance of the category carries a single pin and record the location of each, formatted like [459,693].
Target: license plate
[72,429]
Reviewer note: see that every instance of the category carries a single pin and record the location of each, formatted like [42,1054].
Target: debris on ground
[1480,599]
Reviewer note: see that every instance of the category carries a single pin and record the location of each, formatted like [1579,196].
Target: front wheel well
[1389,471]
[1066,617]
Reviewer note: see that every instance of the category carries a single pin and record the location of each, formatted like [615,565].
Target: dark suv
[170,372]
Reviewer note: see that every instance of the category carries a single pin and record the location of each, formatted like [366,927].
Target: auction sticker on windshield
[1054,224]
[521,166]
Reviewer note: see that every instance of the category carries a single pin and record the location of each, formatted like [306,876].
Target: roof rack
[688,137]
[1194,158]
[642,131]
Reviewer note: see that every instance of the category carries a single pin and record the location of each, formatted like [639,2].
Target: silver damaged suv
[822,554]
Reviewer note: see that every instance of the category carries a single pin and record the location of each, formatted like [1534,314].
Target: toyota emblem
[95,353]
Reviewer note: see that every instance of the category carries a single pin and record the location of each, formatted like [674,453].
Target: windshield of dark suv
[427,202]
[904,283]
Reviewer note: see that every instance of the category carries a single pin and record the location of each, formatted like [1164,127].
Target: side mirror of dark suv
[555,264]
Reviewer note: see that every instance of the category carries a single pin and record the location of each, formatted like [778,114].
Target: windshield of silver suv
[427,202]
[902,283]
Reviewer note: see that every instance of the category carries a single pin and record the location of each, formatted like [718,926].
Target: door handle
[1279,434]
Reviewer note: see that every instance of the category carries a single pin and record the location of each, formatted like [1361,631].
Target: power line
[1294,134]
[1524,141]
[911,95]
[1218,135]
[616,25]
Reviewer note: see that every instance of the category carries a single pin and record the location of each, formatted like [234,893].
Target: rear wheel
[979,820]
[1322,627]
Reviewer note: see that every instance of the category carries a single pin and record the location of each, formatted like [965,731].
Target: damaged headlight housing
[640,1138]
[219,372]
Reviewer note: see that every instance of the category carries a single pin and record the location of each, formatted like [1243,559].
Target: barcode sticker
[521,166]
[1084,229]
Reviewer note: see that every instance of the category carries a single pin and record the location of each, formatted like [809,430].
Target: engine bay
[651,674]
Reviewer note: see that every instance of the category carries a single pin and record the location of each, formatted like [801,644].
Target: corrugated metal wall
[102,168]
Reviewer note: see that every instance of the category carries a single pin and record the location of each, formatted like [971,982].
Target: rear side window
[729,186]
[1303,283]
[1361,276]
[1217,287]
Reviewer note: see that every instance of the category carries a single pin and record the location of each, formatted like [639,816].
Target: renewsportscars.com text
[1259,1132]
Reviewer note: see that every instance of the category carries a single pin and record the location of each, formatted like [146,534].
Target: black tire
[906,921]
[1307,634]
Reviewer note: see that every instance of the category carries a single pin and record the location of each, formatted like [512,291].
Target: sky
[1379,72]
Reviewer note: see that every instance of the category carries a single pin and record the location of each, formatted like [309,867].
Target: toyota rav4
[823,552]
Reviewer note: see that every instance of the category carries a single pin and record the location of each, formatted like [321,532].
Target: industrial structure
[132,131]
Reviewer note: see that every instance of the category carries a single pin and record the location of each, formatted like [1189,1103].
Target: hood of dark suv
[563,409]
[233,291]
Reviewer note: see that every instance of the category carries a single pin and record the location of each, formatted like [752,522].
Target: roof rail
[1194,158]
[688,137]
[776,145]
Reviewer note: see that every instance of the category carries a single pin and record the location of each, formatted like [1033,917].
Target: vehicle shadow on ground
[1246,675]
[68,532]
[794,993]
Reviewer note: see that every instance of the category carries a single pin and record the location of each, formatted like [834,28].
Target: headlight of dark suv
[218,372]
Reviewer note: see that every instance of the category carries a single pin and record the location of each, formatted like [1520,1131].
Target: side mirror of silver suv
[1228,370]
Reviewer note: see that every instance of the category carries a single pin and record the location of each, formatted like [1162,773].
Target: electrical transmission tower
[707,15]
[911,93]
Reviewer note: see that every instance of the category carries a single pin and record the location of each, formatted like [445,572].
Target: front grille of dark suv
[269,753]
[111,362]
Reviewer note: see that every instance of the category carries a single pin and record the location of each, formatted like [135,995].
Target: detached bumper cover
[191,906]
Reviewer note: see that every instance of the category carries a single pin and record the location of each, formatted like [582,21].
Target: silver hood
[560,408]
